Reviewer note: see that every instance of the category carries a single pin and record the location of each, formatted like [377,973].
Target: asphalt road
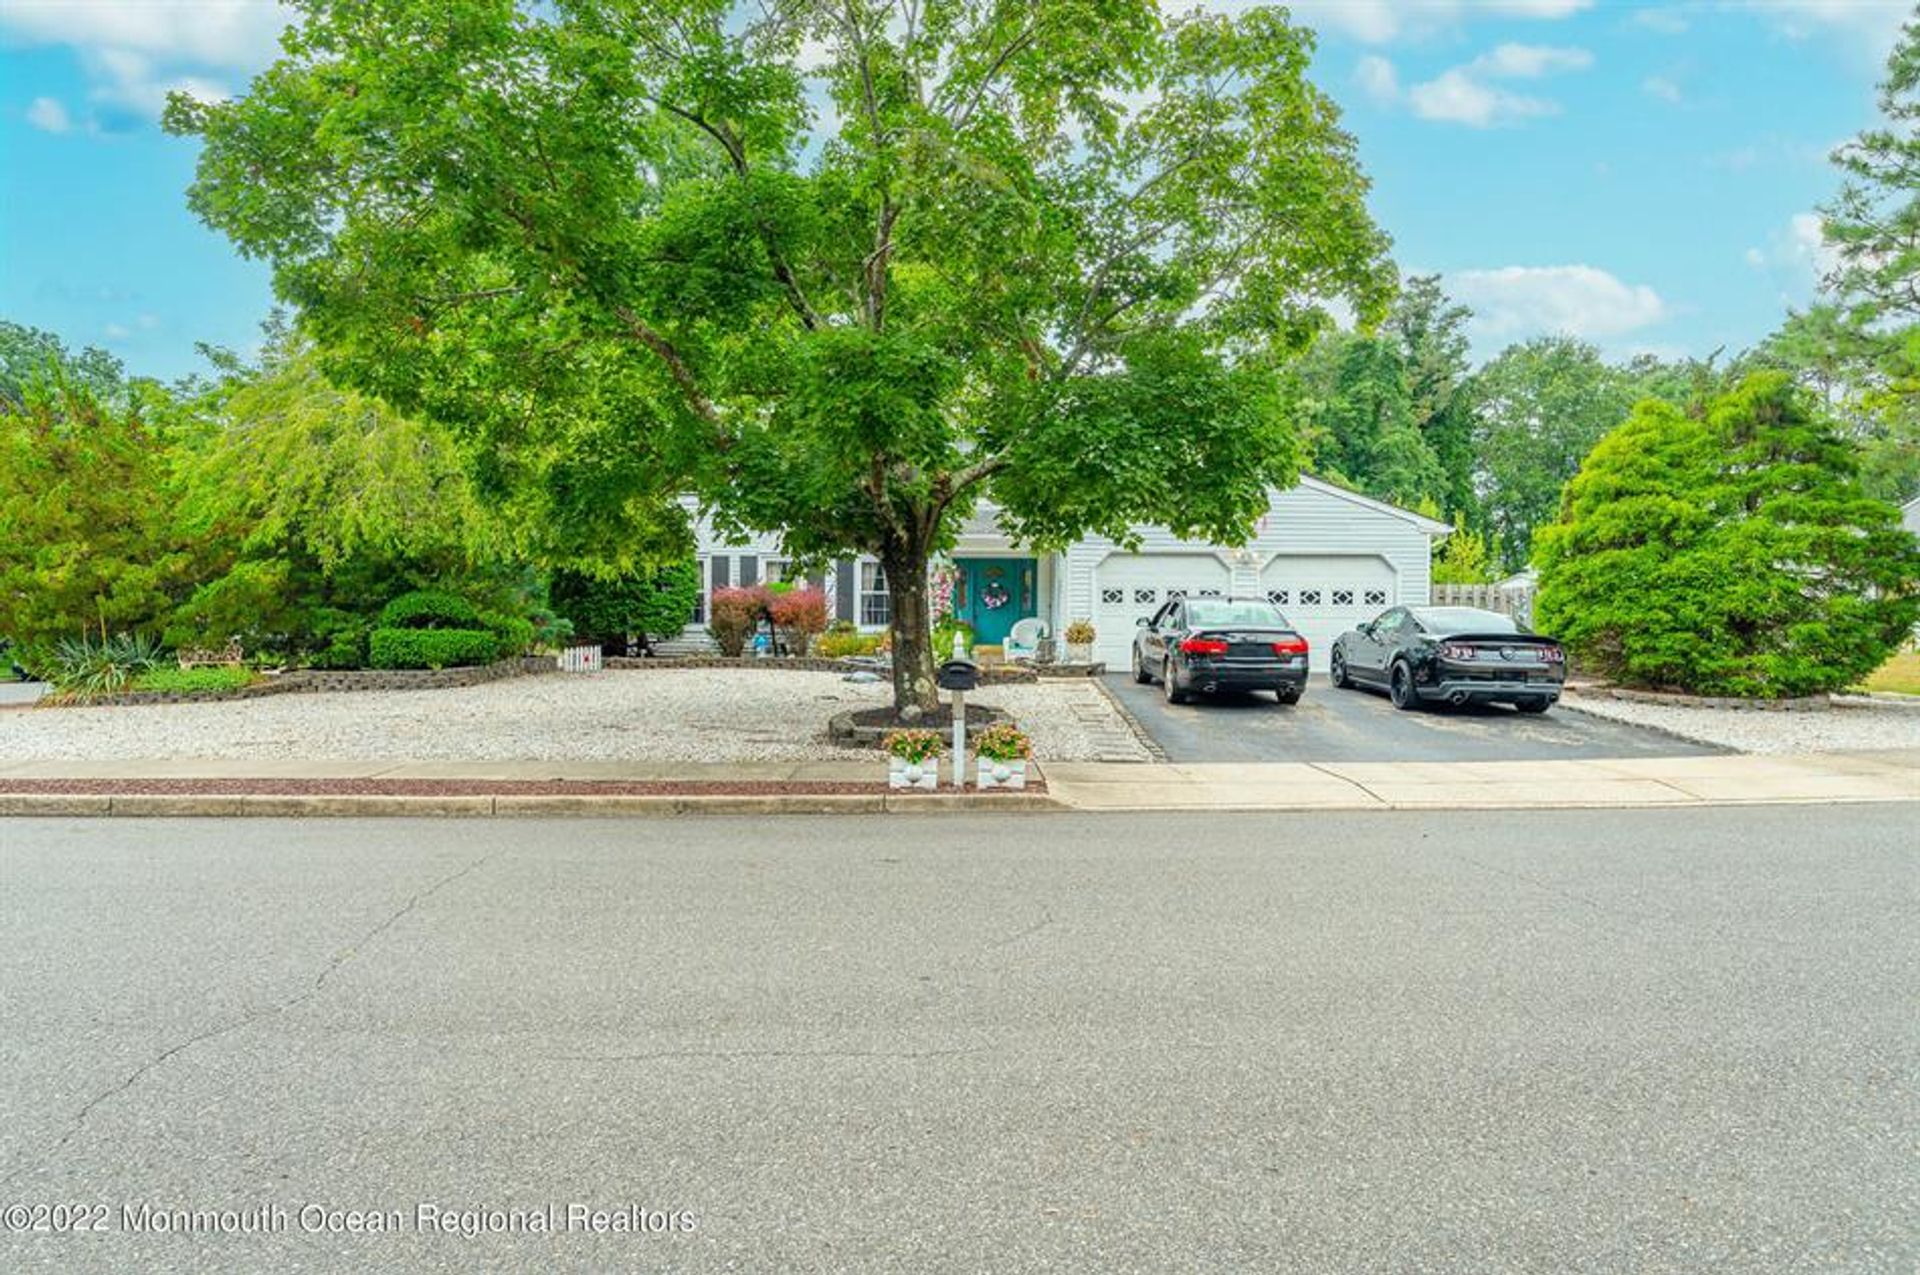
[1354,725]
[1629,1041]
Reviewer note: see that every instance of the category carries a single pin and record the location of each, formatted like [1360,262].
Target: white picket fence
[1516,602]
[580,659]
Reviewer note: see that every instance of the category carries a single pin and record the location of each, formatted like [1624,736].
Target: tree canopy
[1542,406]
[838,266]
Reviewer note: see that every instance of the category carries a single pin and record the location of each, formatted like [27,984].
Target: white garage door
[1130,585]
[1326,595]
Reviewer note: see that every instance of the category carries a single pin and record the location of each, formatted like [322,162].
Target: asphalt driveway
[1332,725]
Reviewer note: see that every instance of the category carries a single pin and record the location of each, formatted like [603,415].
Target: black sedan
[1451,655]
[1220,644]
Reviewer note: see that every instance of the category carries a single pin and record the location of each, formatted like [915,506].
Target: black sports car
[1220,644]
[1452,655]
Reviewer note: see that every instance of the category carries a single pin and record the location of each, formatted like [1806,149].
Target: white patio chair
[1023,641]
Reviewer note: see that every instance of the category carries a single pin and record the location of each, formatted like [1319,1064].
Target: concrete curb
[361,806]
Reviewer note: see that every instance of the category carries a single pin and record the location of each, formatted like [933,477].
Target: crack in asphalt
[1046,919]
[737,1055]
[332,967]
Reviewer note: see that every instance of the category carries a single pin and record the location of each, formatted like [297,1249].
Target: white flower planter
[1079,652]
[1000,774]
[902,773]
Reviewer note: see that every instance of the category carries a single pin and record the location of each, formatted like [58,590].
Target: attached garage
[1329,557]
[1128,586]
[1327,594]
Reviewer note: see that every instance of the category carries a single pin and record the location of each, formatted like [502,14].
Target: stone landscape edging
[843,730]
[331,680]
[1671,699]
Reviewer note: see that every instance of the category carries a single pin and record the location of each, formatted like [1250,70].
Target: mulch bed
[461,787]
[940,718]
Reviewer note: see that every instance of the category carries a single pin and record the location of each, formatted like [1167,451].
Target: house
[1910,515]
[1329,557]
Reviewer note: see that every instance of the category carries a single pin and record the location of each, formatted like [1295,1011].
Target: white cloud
[1378,78]
[1380,21]
[1457,98]
[134,52]
[49,115]
[1529,61]
[1464,95]
[1664,88]
[1797,255]
[133,81]
[1663,21]
[1515,302]
[1871,26]
[218,33]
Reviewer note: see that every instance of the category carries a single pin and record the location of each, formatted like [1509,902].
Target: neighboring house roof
[1432,526]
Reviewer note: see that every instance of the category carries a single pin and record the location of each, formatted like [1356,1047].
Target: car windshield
[1210,611]
[1464,620]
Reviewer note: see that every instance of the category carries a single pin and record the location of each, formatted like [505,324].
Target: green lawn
[1901,673]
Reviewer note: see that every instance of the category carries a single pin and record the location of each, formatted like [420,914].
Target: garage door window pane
[1146,596]
[1343,597]
[1113,596]
[1176,593]
[1376,597]
[1279,597]
[1309,597]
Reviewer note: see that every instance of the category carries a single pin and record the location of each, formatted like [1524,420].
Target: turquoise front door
[993,594]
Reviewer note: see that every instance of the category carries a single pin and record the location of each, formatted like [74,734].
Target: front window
[775,571]
[876,608]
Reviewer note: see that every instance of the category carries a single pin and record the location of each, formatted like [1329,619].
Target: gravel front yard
[677,715]
[1840,729]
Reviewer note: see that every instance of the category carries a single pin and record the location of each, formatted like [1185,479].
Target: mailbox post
[958,675]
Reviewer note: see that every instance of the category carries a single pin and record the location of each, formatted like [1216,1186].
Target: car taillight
[1455,651]
[1553,654]
[1204,646]
[1290,646]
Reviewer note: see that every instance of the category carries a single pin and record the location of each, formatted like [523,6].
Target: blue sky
[1643,175]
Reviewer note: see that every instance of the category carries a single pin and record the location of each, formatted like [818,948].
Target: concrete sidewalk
[180,786]
[1516,785]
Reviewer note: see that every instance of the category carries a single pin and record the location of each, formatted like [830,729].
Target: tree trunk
[913,653]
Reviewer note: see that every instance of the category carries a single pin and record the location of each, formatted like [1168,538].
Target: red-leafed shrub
[733,616]
[801,615]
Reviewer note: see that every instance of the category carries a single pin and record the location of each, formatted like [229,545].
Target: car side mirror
[1142,622]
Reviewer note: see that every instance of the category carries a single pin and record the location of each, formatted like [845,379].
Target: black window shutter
[719,571]
[749,570]
[846,586]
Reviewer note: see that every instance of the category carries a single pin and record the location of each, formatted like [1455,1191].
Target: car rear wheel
[1538,704]
[1400,688]
[1337,672]
[1140,673]
[1173,692]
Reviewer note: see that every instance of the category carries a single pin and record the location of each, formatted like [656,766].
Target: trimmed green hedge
[178,681]
[429,609]
[431,648]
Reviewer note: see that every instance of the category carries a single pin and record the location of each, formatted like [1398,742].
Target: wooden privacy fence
[1514,601]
